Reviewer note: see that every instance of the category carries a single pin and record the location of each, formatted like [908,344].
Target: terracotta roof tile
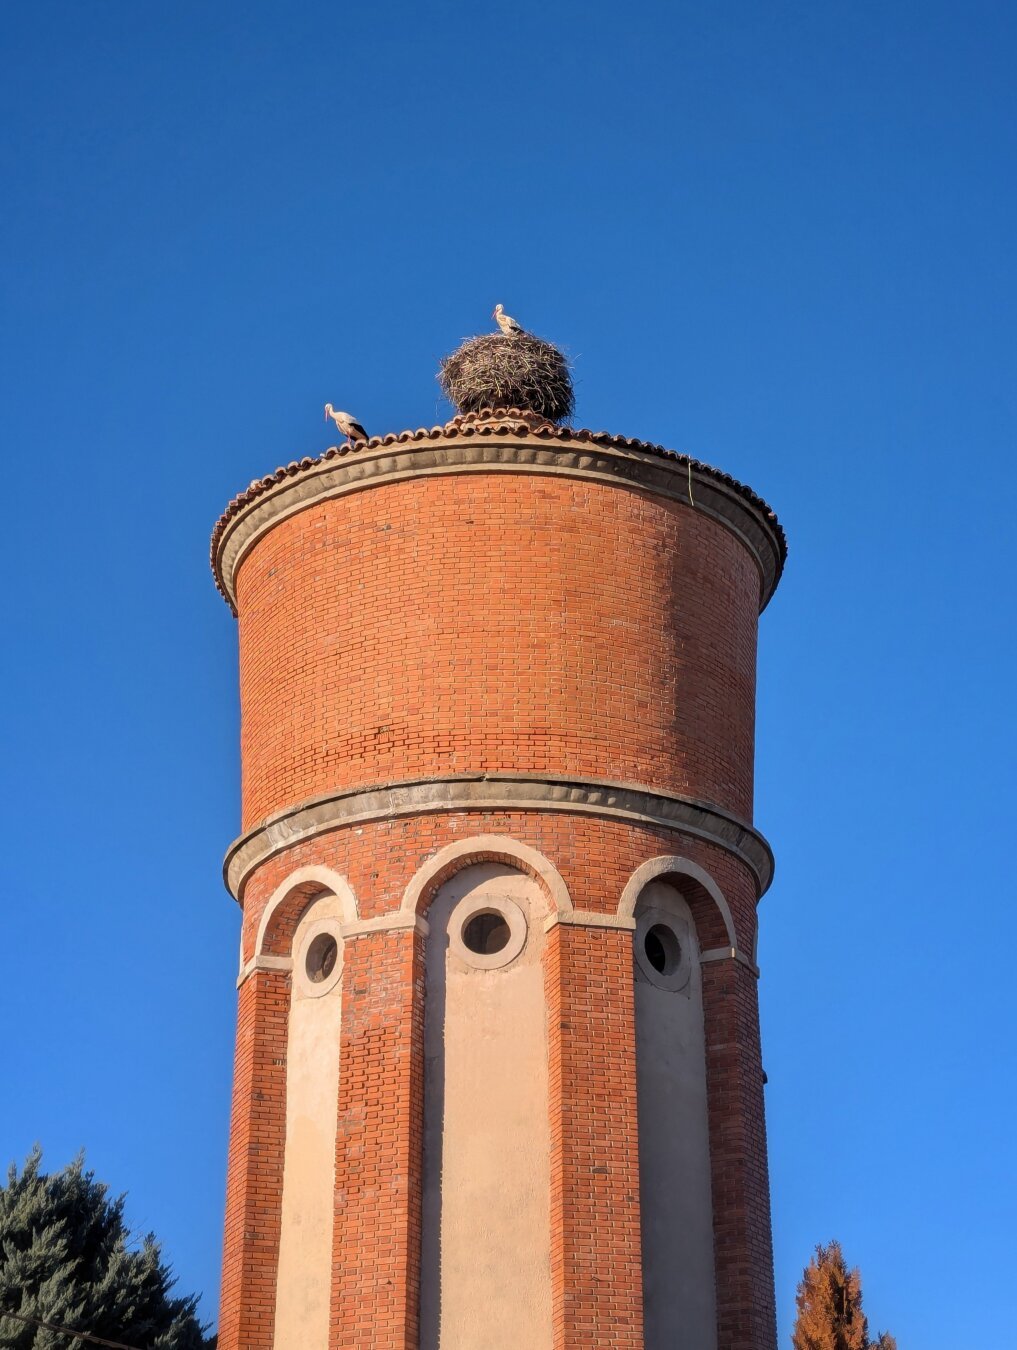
[488,421]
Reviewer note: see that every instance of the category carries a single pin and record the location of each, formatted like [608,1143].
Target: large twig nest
[498,371]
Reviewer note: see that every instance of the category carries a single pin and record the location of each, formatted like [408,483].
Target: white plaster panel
[304,1285]
[486,1277]
[679,1299]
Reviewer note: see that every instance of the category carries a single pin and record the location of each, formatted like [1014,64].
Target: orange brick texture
[255,1166]
[484,622]
[595,1239]
[379,1156]
[497,622]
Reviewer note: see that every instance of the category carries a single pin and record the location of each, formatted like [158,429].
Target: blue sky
[779,237]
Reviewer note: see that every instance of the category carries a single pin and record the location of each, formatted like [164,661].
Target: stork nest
[498,371]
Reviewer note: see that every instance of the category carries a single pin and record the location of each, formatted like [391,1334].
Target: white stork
[349,426]
[509,326]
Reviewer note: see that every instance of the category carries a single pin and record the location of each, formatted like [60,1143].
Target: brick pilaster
[743,1251]
[255,1167]
[595,1240]
[379,1143]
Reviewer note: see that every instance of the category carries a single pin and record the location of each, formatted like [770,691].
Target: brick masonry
[482,622]
[496,622]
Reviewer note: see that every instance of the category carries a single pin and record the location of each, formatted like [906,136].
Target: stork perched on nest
[348,425]
[509,326]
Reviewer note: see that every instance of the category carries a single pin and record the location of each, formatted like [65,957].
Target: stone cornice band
[493,792]
[666,476]
[416,923]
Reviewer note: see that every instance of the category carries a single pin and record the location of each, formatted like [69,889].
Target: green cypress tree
[68,1258]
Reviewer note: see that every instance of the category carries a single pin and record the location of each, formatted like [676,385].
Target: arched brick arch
[289,901]
[486,848]
[710,910]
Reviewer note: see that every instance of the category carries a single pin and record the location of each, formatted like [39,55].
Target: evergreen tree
[829,1304]
[829,1301]
[68,1258]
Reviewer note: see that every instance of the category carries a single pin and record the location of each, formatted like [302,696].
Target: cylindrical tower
[498,1076]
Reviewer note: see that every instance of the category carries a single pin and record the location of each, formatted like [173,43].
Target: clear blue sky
[779,237]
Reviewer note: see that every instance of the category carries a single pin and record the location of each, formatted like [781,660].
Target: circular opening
[321,958]
[486,933]
[663,950]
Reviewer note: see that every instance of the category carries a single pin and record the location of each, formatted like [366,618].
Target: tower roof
[519,436]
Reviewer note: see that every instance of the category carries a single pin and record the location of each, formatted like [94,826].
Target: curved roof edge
[501,423]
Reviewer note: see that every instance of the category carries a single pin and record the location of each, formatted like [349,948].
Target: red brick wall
[255,1167]
[596,1275]
[497,622]
[378,1181]
[743,1251]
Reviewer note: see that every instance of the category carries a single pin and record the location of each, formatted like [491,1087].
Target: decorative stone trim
[580,918]
[675,865]
[443,864]
[588,918]
[676,980]
[497,791]
[383,923]
[397,921]
[603,459]
[473,905]
[729,954]
[280,964]
[303,985]
[329,883]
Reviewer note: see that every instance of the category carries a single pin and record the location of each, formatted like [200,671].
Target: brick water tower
[498,1080]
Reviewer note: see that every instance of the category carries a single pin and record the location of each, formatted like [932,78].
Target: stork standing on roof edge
[349,426]
[509,326]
